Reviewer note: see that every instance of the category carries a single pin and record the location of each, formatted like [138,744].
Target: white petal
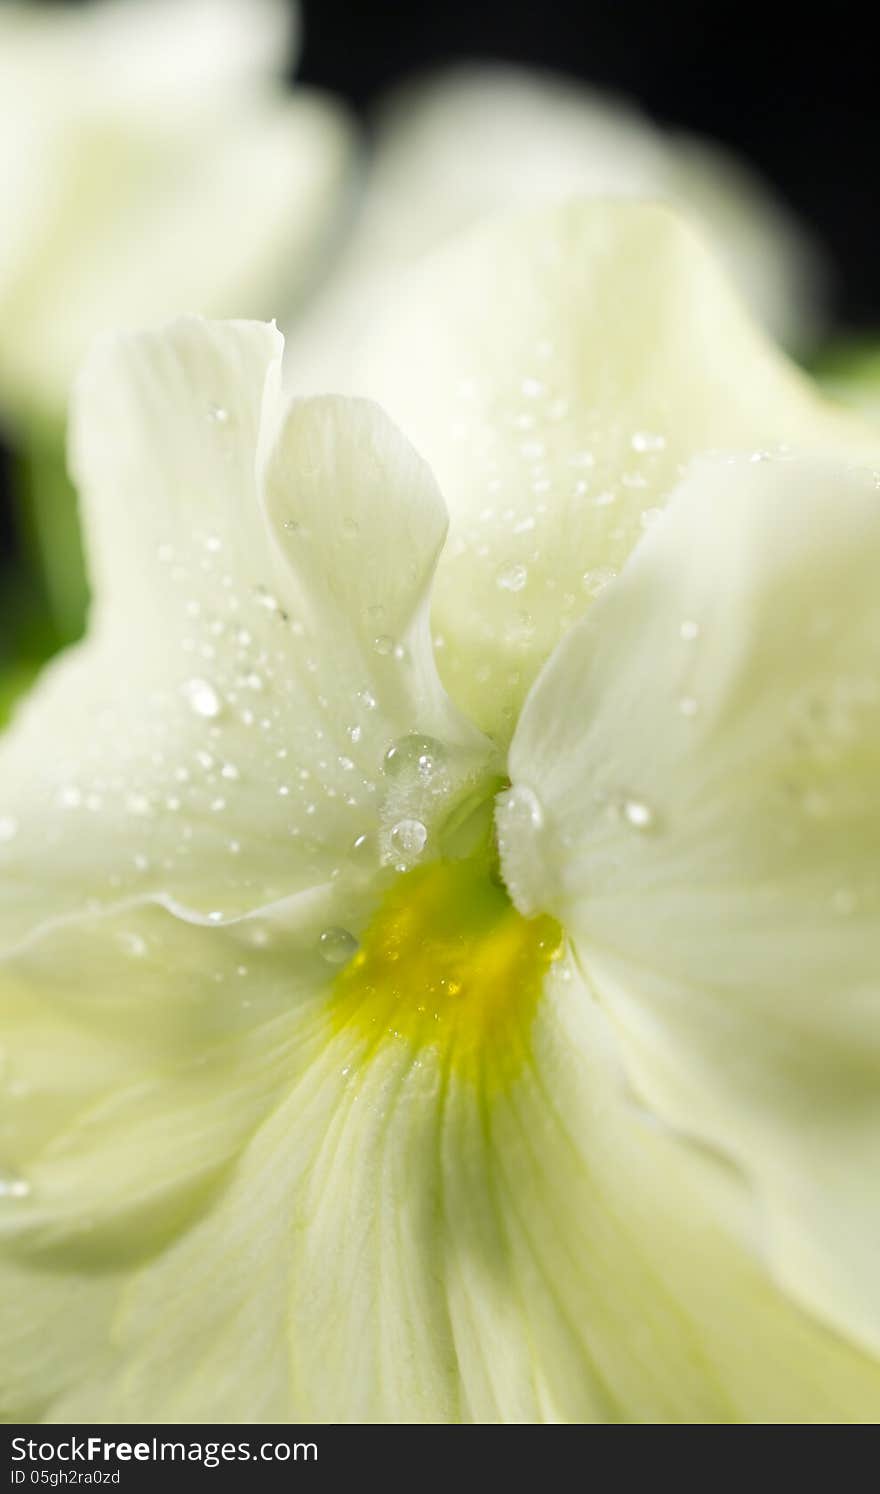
[219,744]
[558,372]
[695,798]
[140,1056]
[402,1244]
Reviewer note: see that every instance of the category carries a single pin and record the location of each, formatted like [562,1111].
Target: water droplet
[230,771]
[522,807]
[133,944]
[383,645]
[639,814]
[203,698]
[8,828]
[414,754]
[688,705]
[137,803]
[596,580]
[512,577]
[337,945]
[689,630]
[13,1185]
[409,837]
[647,441]
[218,414]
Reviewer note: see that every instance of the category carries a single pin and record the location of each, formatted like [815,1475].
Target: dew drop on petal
[409,837]
[8,828]
[203,698]
[13,1185]
[689,630]
[596,580]
[337,945]
[137,803]
[512,577]
[643,441]
[522,807]
[638,814]
[414,754]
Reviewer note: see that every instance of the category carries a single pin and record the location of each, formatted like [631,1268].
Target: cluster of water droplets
[567,494]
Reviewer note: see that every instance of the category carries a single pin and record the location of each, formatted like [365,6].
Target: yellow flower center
[448,962]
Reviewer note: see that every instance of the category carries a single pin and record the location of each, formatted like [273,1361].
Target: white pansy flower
[363,1063]
[151,161]
[479,140]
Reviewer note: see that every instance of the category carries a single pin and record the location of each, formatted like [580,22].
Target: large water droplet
[414,754]
[409,837]
[337,945]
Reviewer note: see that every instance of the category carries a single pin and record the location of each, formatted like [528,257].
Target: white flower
[321,1103]
[478,140]
[151,162]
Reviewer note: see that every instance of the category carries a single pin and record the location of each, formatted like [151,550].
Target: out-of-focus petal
[559,372]
[695,798]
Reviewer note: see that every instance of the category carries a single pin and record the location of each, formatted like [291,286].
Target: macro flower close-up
[440,893]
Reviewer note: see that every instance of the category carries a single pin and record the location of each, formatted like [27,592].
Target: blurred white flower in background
[152,161]
[482,139]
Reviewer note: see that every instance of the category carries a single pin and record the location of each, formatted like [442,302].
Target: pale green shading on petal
[850,372]
[400,1244]
[695,798]
[220,741]
[559,371]
[474,140]
[153,164]
[139,1055]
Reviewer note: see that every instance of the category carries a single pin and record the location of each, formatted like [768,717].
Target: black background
[794,90]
